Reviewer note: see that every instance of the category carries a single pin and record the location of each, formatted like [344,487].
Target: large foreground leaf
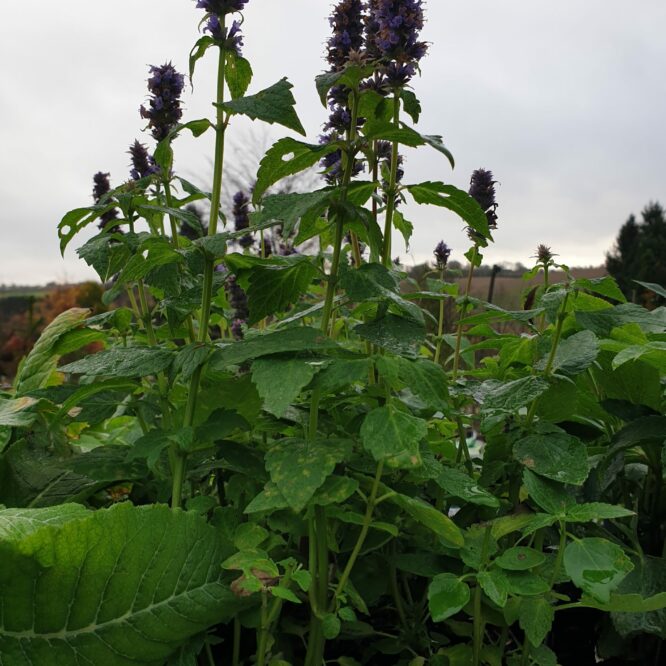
[116,587]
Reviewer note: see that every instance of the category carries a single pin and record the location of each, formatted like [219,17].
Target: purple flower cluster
[241,213]
[442,253]
[101,187]
[392,31]
[163,113]
[230,38]
[482,190]
[189,231]
[143,164]
[347,38]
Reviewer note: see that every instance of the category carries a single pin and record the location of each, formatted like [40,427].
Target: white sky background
[564,101]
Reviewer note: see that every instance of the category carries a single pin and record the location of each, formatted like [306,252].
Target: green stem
[463,310]
[235,659]
[218,171]
[263,631]
[395,590]
[365,527]
[562,315]
[479,623]
[525,660]
[560,553]
[209,654]
[440,326]
[463,449]
[391,191]
[172,219]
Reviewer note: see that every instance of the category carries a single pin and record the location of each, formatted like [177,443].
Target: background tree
[640,252]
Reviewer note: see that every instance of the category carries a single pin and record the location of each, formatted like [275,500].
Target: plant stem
[365,527]
[479,623]
[440,327]
[235,659]
[218,171]
[209,655]
[561,316]
[560,553]
[463,310]
[172,219]
[391,192]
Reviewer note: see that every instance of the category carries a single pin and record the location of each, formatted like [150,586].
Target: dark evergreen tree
[640,252]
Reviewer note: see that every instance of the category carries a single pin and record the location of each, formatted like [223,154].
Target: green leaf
[549,495]
[285,158]
[289,208]
[115,587]
[536,617]
[656,288]
[596,566]
[647,615]
[602,321]
[36,369]
[299,339]
[448,196]
[652,353]
[351,76]
[330,626]
[605,286]
[76,339]
[298,467]
[574,354]
[508,397]
[526,583]
[272,105]
[269,499]
[273,284]
[447,594]
[14,413]
[629,603]
[335,490]
[496,586]
[455,482]
[286,594]
[585,513]
[122,362]
[16,524]
[398,335]
[77,219]
[411,104]
[280,381]
[238,74]
[425,379]
[431,518]
[105,255]
[554,454]
[405,227]
[341,373]
[389,433]
[198,51]
[520,558]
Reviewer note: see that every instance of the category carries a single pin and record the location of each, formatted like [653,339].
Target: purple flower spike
[163,113]
[482,190]
[442,253]
[143,164]
[101,187]
[222,7]
[347,39]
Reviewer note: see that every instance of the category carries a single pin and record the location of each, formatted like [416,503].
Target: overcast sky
[564,101]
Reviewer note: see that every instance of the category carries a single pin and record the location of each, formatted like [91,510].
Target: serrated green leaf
[398,335]
[389,433]
[115,587]
[554,454]
[122,362]
[597,566]
[652,286]
[269,499]
[298,467]
[605,286]
[335,490]
[280,381]
[457,483]
[300,339]
[37,367]
[289,208]
[285,158]
[495,584]
[549,495]
[15,413]
[450,197]
[331,626]
[447,594]
[285,594]
[574,354]
[238,74]
[536,617]
[272,105]
[341,373]
[602,321]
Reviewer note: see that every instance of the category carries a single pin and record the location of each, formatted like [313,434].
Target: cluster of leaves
[334,506]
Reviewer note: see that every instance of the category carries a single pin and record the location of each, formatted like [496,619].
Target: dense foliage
[348,482]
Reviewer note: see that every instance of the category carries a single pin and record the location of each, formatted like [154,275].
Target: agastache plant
[338,494]
[143,163]
[101,187]
[163,111]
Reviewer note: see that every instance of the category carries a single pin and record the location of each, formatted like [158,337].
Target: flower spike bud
[143,164]
[442,253]
[101,187]
[163,112]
